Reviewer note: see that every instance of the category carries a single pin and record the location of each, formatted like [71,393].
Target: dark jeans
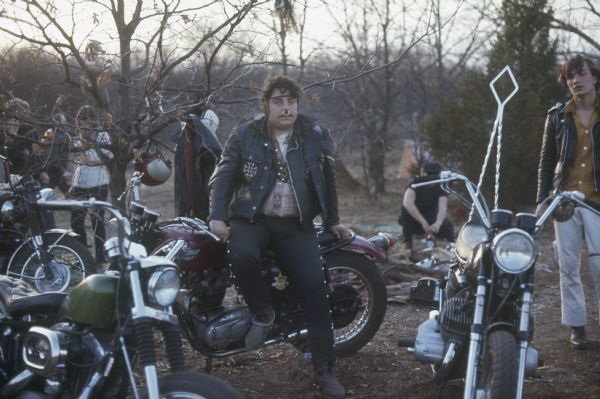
[298,250]
[97,217]
[411,227]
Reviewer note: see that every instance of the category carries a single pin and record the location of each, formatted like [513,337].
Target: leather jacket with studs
[247,171]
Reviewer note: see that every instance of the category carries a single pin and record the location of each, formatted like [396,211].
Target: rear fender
[361,245]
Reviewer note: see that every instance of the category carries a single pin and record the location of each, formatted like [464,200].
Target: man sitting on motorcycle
[424,209]
[275,175]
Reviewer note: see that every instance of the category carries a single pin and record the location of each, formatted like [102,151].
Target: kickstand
[208,365]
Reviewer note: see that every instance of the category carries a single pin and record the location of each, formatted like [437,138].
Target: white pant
[584,225]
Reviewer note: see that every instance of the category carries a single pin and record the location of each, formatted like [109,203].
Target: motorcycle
[217,328]
[86,343]
[51,260]
[481,332]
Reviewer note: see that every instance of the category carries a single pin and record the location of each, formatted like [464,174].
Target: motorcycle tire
[71,261]
[190,385]
[362,273]
[499,371]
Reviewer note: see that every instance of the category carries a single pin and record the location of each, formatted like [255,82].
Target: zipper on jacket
[565,147]
[287,165]
[594,147]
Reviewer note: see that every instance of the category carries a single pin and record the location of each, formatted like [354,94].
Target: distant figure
[424,209]
[569,161]
[21,147]
[90,178]
[18,137]
[54,151]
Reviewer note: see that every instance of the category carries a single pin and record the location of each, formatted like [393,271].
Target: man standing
[276,174]
[570,160]
[424,208]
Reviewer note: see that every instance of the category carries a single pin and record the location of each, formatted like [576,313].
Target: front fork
[144,320]
[524,335]
[475,338]
[37,228]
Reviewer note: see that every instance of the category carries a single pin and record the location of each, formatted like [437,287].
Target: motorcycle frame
[130,270]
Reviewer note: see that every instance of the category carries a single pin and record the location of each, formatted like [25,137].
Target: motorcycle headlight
[514,251]
[7,210]
[43,351]
[163,286]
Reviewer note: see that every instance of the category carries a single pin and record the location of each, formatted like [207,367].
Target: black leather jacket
[246,173]
[558,147]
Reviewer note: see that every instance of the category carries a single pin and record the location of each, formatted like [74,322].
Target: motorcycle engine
[429,344]
[457,312]
[226,329]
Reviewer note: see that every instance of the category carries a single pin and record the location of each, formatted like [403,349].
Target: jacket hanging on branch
[196,155]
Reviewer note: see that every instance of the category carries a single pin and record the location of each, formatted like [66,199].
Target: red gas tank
[201,250]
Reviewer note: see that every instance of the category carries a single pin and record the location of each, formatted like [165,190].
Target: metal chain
[498,153]
[497,131]
[484,167]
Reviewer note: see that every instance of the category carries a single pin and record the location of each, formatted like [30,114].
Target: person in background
[424,209]
[21,147]
[90,178]
[570,160]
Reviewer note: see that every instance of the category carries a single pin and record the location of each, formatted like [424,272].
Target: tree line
[391,72]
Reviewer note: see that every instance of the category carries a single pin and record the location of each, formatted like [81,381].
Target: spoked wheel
[360,281]
[70,262]
[499,371]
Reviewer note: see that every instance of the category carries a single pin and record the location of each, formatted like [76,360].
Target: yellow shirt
[580,175]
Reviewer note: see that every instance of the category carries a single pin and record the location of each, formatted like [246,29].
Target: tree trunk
[118,181]
[377,167]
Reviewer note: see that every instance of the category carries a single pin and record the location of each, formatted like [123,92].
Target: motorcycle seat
[21,298]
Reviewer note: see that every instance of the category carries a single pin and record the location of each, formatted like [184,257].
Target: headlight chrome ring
[163,286]
[514,251]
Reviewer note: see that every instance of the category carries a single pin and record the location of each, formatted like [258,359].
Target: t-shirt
[89,172]
[427,197]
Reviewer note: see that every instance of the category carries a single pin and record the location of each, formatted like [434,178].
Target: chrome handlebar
[123,224]
[447,176]
[479,202]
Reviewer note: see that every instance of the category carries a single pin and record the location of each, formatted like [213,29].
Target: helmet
[155,168]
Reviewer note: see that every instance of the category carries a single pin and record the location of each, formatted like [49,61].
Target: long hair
[575,64]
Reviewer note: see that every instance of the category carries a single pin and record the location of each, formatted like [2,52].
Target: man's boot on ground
[328,382]
[259,330]
[578,339]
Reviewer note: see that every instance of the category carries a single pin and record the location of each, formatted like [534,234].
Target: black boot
[578,339]
[259,330]
[328,383]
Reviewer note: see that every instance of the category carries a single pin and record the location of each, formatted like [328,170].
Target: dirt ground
[384,370]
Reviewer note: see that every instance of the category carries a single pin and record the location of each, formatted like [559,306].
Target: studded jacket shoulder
[247,172]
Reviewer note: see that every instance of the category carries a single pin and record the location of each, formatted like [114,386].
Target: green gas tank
[92,302]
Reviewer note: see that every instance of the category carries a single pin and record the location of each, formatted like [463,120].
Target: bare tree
[579,19]
[378,35]
[139,86]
